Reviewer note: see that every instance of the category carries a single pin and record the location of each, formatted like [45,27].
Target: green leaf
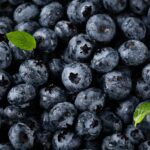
[141,112]
[22,40]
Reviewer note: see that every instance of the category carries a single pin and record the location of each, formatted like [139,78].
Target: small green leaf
[22,40]
[141,112]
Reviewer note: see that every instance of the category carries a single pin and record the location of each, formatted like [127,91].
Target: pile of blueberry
[79,88]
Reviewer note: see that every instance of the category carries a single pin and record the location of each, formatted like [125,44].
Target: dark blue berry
[117,85]
[145,145]
[133,52]
[101,28]
[25,12]
[46,40]
[5,55]
[92,99]
[33,72]
[62,115]
[105,60]
[41,2]
[66,140]
[21,95]
[51,95]
[76,76]
[21,136]
[88,125]
[51,14]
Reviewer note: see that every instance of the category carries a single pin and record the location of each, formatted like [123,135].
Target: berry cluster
[79,88]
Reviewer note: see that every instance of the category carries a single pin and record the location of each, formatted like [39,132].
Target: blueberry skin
[17,79]
[25,12]
[88,126]
[6,55]
[5,147]
[21,136]
[133,28]
[116,142]
[80,48]
[56,66]
[51,14]
[76,77]
[51,95]
[145,145]
[33,72]
[79,11]
[28,26]
[21,94]
[16,2]
[5,82]
[42,2]
[146,73]
[143,89]
[111,122]
[133,52]
[62,115]
[91,99]
[115,6]
[101,28]
[135,135]
[138,6]
[65,140]
[105,60]
[19,54]
[46,40]
[117,85]
[6,25]
[126,109]
[65,30]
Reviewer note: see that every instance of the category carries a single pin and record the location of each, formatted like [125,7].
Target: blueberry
[33,72]
[135,135]
[21,136]
[133,52]
[133,28]
[138,6]
[143,89]
[51,14]
[111,122]
[28,26]
[56,66]
[5,55]
[44,139]
[6,25]
[46,40]
[105,60]
[17,79]
[115,6]
[15,2]
[101,28]
[79,11]
[13,112]
[65,30]
[65,140]
[19,54]
[146,73]
[116,142]
[126,109]
[117,85]
[145,145]
[80,48]
[92,99]
[62,115]
[88,125]
[21,94]
[25,12]
[76,76]
[5,82]
[51,95]
[42,2]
